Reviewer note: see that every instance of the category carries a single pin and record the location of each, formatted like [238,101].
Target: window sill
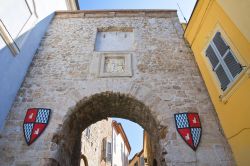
[245,74]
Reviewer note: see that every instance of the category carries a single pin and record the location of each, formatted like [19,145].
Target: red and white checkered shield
[189,127]
[35,122]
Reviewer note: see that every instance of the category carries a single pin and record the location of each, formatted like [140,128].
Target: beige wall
[238,11]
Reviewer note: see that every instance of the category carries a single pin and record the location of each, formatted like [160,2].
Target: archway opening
[98,107]
[116,142]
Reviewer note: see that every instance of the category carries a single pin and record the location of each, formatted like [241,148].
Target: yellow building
[137,160]
[146,156]
[219,35]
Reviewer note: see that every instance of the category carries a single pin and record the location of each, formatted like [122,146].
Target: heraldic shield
[35,122]
[189,127]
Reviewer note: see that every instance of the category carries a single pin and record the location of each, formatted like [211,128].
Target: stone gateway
[131,64]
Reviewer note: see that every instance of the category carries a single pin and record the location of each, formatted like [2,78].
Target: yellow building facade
[146,156]
[219,35]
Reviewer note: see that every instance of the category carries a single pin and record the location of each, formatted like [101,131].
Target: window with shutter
[121,151]
[234,67]
[109,152]
[142,161]
[223,61]
[212,56]
[87,132]
[114,143]
[221,74]
[104,144]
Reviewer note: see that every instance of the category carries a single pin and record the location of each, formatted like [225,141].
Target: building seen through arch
[105,143]
[145,156]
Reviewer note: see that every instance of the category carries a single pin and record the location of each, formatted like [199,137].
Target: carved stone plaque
[114,64]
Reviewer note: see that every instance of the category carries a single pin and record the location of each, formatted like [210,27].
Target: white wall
[26,29]
[118,159]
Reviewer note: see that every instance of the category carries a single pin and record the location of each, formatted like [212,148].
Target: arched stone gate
[95,108]
[159,78]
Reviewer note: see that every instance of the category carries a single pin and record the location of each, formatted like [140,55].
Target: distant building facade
[121,147]
[96,143]
[137,160]
[146,157]
[104,144]
[219,35]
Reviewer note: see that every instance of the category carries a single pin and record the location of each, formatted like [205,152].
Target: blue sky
[134,134]
[185,5]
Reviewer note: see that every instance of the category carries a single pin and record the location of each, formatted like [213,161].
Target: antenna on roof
[181,12]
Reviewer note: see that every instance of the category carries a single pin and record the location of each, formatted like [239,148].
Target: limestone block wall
[64,76]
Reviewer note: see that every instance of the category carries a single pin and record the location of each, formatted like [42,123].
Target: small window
[223,61]
[87,132]
[136,164]
[104,144]
[142,161]
[114,143]
[109,152]
[122,156]
[106,150]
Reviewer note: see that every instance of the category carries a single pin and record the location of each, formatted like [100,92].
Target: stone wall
[64,76]
[92,143]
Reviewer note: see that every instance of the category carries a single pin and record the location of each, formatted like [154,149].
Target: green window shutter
[233,66]
[212,56]
[220,44]
[223,78]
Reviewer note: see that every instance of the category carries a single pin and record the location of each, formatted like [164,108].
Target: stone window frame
[128,64]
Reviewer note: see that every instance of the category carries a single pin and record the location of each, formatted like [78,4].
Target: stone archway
[95,108]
